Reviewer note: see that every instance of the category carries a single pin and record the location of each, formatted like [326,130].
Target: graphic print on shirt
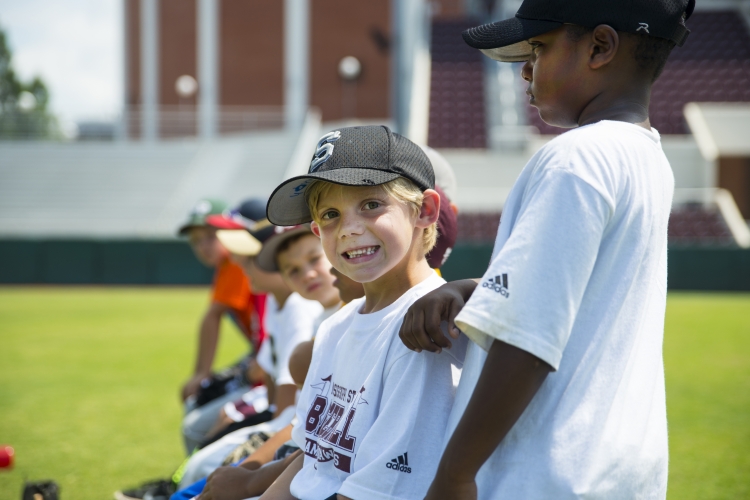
[325,424]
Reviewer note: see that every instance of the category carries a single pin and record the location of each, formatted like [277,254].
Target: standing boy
[562,395]
[370,409]
[230,294]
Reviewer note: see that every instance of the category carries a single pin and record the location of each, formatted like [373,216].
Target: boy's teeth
[362,251]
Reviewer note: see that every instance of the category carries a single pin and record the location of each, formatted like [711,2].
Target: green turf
[89,383]
[89,378]
[707,363]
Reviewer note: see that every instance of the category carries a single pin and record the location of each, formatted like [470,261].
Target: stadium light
[186,86]
[350,68]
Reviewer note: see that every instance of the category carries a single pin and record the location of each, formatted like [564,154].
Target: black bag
[221,383]
[41,490]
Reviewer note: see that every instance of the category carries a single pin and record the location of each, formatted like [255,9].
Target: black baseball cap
[351,156]
[506,40]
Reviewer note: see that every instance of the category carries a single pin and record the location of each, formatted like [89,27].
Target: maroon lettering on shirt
[323,424]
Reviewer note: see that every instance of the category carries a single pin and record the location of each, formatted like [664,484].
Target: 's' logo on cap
[325,150]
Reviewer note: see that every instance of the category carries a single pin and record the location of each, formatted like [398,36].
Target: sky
[75,46]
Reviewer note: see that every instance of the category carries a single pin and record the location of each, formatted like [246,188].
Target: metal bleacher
[688,225]
[130,189]
[457,104]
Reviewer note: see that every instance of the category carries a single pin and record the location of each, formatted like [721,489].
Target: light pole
[349,70]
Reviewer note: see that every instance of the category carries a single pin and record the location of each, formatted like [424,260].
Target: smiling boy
[370,409]
[562,395]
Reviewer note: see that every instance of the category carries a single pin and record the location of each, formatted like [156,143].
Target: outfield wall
[171,262]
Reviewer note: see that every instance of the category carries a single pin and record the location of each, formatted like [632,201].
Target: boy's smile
[362,254]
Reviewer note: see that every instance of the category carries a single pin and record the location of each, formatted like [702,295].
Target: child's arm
[279,490]
[508,382]
[207,340]
[236,483]
[265,453]
[421,327]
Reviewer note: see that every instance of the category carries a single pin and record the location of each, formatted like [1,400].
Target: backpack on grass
[41,490]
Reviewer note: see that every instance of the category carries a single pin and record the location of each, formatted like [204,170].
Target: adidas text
[400,464]
[499,284]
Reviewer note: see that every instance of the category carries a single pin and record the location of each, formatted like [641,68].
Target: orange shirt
[232,288]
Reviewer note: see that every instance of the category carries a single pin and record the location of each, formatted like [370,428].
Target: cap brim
[239,241]
[221,222]
[266,258]
[287,206]
[185,228]
[506,40]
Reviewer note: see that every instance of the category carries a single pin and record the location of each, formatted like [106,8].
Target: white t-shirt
[327,313]
[286,328]
[372,413]
[578,278]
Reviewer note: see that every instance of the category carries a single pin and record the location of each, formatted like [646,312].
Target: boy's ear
[315,228]
[605,41]
[430,210]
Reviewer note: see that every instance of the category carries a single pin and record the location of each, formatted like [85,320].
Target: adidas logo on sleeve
[400,464]
[499,284]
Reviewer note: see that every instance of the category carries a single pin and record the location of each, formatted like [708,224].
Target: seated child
[237,483]
[370,409]
[231,294]
[297,252]
[201,421]
[289,320]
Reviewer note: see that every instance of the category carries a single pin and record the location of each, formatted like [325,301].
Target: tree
[23,106]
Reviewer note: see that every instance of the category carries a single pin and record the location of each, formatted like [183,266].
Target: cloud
[75,46]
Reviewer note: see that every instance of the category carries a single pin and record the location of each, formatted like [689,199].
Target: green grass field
[89,380]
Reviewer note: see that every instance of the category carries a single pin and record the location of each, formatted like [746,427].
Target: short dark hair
[288,243]
[650,52]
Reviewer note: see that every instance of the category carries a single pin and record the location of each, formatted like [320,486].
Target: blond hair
[401,188]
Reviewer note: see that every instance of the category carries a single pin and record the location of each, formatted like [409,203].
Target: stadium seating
[713,66]
[690,224]
[477,227]
[457,107]
[134,189]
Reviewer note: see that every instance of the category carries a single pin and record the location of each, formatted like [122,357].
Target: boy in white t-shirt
[371,412]
[562,395]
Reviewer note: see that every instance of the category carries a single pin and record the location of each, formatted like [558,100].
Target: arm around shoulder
[421,329]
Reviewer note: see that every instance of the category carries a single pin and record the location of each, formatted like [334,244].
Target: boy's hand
[227,483]
[192,386]
[448,490]
[421,327]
